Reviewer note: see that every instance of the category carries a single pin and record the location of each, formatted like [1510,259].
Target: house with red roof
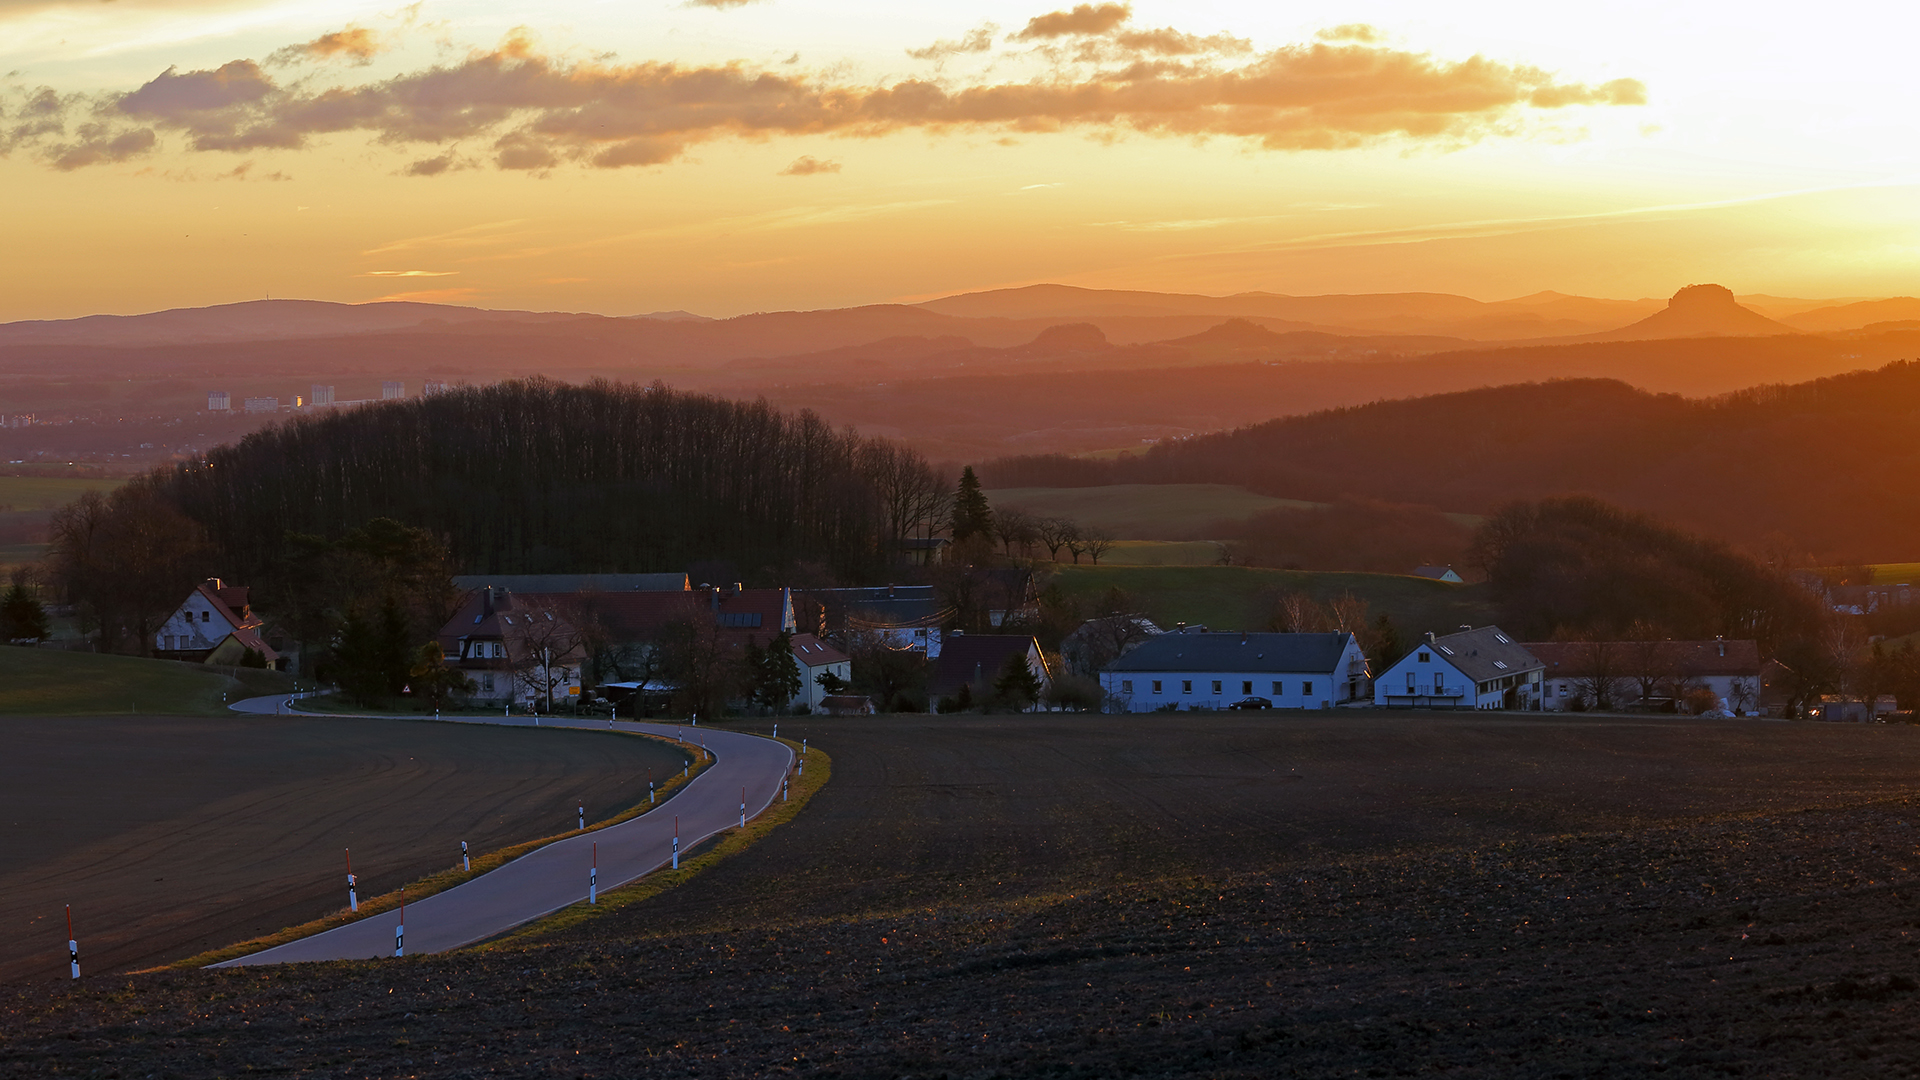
[215,624]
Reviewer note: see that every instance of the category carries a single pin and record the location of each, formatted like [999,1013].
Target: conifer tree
[21,616]
[971,514]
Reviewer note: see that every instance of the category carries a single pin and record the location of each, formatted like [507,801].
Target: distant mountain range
[1004,318]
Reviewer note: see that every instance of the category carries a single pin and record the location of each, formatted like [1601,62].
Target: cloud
[720,5]
[535,112]
[1083,19]
[1360,32]
[978,40]
[356,43]
[807,165]
[428,296]
[410,273]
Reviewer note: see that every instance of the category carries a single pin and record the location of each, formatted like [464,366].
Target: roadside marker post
[776,731]
[743,808]
[73,946]
[353,895]
[676,841]
[783,789]
[593,877]
[803,746]
[649,785]
[583,817]
[400,928]
[466,865]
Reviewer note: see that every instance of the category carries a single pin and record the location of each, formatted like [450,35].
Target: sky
[720,156]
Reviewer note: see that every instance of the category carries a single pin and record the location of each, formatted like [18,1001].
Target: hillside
[1826,466]
[1698,311]
[1235,598]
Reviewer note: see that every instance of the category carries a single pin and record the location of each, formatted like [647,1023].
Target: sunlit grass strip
[445,879]
[731,842]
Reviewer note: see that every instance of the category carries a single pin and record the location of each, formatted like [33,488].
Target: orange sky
[725,157]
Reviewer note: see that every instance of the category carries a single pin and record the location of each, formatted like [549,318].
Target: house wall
[1196,689]
[1560,691]
[193,627]
[811,692]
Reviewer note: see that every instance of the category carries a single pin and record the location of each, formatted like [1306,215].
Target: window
[1426,658]
[1306,688]
[740,619]
[205,616]
[1216,686]
[1501,664]
[1563,689]
[1439,683]
[1504,639]
[486,683]
[1126,686]
[1156,686]
[1276,687]
[1410,683]
[1246,687]
[1186,686]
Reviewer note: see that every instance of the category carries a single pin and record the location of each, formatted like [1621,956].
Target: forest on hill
[1822,468]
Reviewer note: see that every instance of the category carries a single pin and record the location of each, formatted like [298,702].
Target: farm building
[1473,669]
[1651,673]
[974,661]
[1199,670]
[215,624]
[1438,573]
[902,616]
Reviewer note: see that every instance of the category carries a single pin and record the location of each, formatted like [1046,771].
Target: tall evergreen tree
[22,618]
[1017,687]
[971,515]
[779,673]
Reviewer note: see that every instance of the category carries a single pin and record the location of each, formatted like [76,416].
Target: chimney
[486,601]
[1429,637]
[1720,640]
[738,588]
[215,584]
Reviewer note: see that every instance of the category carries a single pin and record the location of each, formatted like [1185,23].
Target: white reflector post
[73,947]
[353,895]
[593,877]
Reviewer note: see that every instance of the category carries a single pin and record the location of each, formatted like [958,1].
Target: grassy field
[53,682]
[48,492]
[1222,896]
[1164,553]
[1896,573]
[170,836]
[1241,597]
[1144,511]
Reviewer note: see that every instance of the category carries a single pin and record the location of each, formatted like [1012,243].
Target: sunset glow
[724,157]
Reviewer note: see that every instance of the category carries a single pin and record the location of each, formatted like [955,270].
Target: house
[1652,673]
[1437,573]
[817,658]
[516,648]
[1201,670]
[901,616]
[215,624]
[974,661]
[1473,669]
[1098,642]
[924,551]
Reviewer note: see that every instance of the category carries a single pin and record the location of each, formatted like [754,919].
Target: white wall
[194,625]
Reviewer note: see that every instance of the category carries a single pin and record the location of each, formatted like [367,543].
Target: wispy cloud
[410,273]
[519,108]
[808,165]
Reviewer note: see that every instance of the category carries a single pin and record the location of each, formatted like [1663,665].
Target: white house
[1665,670]
[215,625]
[817,658]
[1473,669]
[1200,670]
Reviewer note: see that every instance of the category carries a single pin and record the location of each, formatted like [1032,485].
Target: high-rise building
[392,391]
[219,401]
[433,386]
[322,395]
[263,404]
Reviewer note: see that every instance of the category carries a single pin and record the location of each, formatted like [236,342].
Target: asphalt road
[556,876]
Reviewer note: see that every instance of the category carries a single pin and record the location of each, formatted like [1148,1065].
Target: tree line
[529,476]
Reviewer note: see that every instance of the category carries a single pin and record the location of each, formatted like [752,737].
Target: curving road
[555,876]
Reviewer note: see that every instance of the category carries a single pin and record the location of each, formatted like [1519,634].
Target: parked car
[1252,703]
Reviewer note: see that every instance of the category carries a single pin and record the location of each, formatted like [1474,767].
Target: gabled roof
[1437,573]
[1279,654]
[882,607]
[967,657]
[813,652]
[1697,658]
[1482,654]
[574,583]
[230,603]
[757,614]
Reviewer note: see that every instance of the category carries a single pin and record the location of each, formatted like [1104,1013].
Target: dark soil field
[1196,896]
[171,836]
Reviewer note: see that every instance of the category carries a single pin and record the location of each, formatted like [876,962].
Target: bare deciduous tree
[1056,533]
